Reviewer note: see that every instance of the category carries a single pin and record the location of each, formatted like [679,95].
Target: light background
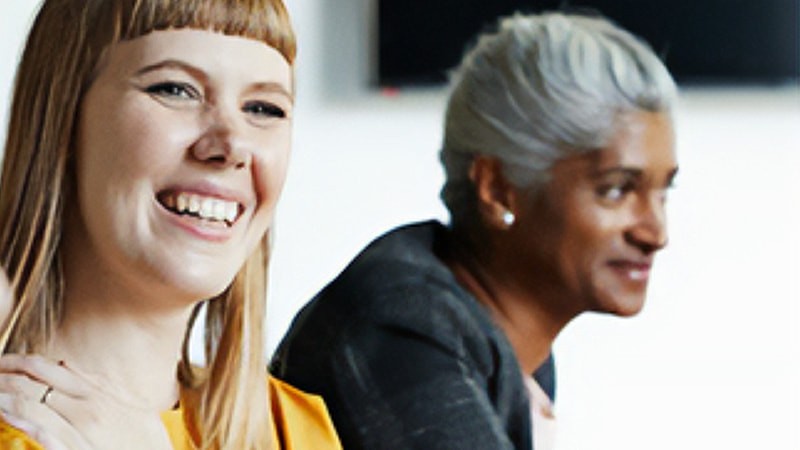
[714,360]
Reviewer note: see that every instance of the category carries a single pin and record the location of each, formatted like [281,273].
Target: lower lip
[212,232]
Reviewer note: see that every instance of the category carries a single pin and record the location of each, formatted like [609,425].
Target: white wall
[713,361]
[15,19]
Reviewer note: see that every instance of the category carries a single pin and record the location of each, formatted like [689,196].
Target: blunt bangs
[262,20]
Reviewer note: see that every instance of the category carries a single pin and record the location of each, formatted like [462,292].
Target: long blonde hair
[63,52]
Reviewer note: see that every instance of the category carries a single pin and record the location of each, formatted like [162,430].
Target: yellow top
[299,421]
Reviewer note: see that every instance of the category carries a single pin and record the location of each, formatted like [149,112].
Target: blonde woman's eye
[174,90]
[264,109]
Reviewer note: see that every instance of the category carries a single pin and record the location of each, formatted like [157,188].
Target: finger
[33,432]
[78,412]
[23,425]
[38,415]
[42,437]
[12,383]
[48,372]
[73,410]
[51,443]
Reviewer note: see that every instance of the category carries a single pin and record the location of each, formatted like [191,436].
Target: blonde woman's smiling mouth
[210,210]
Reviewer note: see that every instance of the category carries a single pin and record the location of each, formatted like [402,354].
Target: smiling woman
[176,135]
[558,152]
[598,222]
[144,159]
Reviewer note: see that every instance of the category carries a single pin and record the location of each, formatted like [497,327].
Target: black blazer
[405,358]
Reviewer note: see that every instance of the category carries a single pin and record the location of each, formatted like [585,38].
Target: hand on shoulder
[62,409]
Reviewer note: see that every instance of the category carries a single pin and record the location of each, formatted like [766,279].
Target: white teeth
[194,203]
[231,211]
[181,203]
[219,210]
[205,207]
[637,274]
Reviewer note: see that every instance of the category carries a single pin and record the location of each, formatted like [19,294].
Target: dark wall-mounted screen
[701,41]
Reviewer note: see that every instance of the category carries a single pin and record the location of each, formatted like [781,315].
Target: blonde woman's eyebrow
[271,87]
[175,65]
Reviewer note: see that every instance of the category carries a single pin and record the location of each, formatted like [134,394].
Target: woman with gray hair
[558,152]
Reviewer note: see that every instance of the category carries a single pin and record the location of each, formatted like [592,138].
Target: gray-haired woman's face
[591,233]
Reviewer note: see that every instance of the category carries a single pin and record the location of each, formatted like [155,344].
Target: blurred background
[714,359]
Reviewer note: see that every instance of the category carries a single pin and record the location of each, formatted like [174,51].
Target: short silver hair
[540,88]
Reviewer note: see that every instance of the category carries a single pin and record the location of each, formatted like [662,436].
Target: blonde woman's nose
[219,144]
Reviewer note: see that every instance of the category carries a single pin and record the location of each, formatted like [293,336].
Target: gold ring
[46,394]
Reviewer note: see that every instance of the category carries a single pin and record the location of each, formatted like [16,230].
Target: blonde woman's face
[182,151]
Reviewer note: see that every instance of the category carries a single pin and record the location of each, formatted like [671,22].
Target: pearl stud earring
[508,218]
